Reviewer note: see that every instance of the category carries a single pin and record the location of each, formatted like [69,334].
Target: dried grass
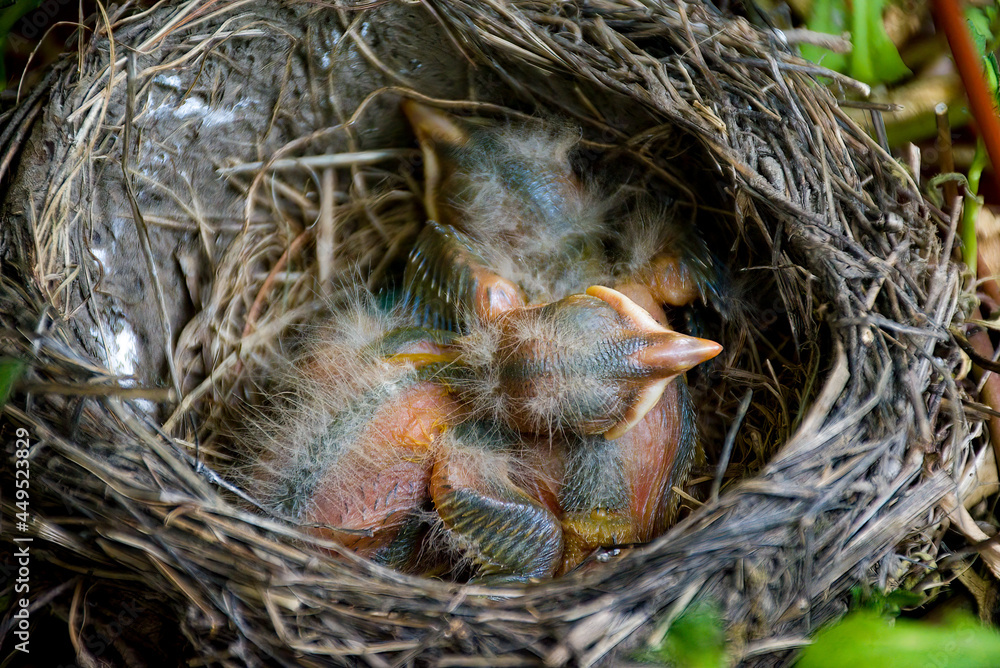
[837,316]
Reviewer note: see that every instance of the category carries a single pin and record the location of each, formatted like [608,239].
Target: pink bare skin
[512,238]
[387,476]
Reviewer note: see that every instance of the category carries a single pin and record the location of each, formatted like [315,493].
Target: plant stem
[970,210]
[949,18]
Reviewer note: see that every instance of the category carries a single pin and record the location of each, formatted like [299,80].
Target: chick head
[589,363]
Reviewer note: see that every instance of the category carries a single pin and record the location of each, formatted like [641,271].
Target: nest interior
[180,202]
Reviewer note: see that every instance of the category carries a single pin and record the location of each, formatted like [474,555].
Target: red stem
[949,18]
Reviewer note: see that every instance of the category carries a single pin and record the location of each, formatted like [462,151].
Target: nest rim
[583,617]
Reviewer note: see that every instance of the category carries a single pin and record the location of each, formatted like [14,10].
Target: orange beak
[666,355]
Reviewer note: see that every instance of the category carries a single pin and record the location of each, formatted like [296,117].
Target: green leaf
[874,58]
[979,27]
[696,639]
[830,17]
[10,14]
[867,640]
[888,605]
[983,27]
[10,372]
[992,76]
[902,598]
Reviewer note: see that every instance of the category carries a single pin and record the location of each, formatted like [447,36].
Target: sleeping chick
[350,454]
[509,195]
[531,412]
[516,256]
[589,364]
[496,504]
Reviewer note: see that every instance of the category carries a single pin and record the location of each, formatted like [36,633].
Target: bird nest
[186,195]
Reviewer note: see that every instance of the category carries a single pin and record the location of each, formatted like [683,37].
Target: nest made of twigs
[187,193]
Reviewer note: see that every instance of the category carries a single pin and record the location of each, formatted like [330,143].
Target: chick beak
[437,133]
[666,355]
[493,295]
[434,127]
[670,354]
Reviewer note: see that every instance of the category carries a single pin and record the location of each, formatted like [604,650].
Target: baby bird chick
[492,503]
[350,456]
[514,238]
[619,492]
[547,423]
[508,197]
[448,282]
[589,364]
